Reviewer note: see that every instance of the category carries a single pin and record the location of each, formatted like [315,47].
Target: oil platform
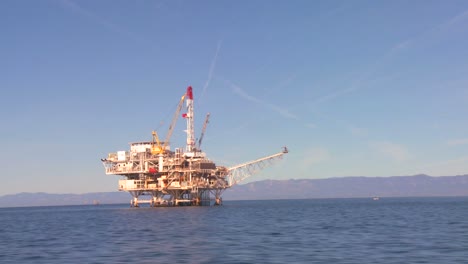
[179,177]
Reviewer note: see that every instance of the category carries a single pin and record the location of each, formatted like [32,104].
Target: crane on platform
[156,147]
[172,126]
[242,171]
[205,124]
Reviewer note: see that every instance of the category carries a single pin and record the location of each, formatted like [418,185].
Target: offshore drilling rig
[179,177]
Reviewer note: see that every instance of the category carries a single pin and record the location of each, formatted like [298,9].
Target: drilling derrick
[189,117]
[179,177]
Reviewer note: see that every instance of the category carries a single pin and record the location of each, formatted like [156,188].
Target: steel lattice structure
[240,172]
[179,177]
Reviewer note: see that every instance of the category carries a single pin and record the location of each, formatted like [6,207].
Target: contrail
[433,30]
[211,71]
[365,77]
[283,112]
[71,5]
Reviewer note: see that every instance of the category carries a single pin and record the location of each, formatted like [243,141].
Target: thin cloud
[458,142]
[457,166]
[283,112]
[351,128]
[311,125]
[358,131]
[315,156]
[212,69]
[396,152]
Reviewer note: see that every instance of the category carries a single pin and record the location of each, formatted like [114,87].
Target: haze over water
[393,230]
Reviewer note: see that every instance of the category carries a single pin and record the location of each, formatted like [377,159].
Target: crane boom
[173,123]
[242,171]
[205,124]
[156,147]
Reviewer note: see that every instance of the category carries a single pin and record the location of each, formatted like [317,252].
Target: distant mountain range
[345,187]
[351,187]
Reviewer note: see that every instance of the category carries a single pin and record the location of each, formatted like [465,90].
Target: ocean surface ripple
[390,230]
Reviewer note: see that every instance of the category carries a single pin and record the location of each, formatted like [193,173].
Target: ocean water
[391,230]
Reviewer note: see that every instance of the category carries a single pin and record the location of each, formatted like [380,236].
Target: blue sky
[353,88]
